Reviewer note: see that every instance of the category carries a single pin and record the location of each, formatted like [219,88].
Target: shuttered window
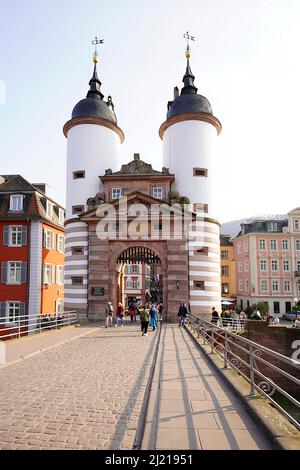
[14,272]
[48,239]
[49,273]
[59,305]
[15,235]
[12,312]
[60,243]
[60,275]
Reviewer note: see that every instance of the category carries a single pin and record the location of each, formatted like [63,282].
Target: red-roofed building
[31,252]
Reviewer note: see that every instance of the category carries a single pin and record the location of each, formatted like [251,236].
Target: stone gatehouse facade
[168,215]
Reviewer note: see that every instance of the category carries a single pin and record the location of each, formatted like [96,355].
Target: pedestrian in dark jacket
[214,316]
[182,314]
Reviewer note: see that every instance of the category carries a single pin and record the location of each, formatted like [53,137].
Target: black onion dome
[189,104]
[189,101]
[94,105]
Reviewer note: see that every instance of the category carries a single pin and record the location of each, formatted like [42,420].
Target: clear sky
[245,59]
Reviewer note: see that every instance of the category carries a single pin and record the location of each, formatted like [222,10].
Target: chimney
[176,92]
[136,156]
[40,186]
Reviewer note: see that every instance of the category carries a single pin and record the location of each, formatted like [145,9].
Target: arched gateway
[139,284]
[168,258]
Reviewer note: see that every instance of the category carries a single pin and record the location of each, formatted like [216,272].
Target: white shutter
[53,274]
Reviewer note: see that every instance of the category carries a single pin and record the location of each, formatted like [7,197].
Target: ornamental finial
[188,38]
[95,43]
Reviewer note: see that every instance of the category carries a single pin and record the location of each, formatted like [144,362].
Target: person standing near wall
[109,314]
[145,317]
[182,314]
[120,315]
[153,316]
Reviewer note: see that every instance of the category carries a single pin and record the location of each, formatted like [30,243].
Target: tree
[262,307]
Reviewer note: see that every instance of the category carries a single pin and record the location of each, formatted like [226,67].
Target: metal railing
[252,361]
[26,325]
[235,324]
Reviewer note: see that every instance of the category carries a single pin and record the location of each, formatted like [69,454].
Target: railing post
[40,323]
[251,370]
[225,352]
[212,340]
[56,319]
[19,327]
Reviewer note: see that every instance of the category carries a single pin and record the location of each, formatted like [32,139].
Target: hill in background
[232,228]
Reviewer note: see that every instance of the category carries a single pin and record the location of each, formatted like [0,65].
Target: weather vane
[188,38]
[95,43]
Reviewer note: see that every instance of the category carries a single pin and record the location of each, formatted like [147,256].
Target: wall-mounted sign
[99,291]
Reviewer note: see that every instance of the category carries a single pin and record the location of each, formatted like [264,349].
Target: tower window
[199,285]
[116,193]
[77,250]
[77,209]
[202,251]
[77,281]
[78,174]
[200,172]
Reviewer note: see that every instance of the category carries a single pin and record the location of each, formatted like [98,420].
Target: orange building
[228,276]
[31,252]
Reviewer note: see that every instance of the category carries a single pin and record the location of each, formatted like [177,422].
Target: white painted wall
[94,149]
[35,272]
[188,145]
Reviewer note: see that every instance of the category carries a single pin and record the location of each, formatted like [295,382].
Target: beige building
[228,276]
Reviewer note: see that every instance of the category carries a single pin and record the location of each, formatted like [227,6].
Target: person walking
[109,310]
[214,316]
[160,311]
[120,315]
[234,319]
[182,314]
[153,316]
[145,317]
[132,312]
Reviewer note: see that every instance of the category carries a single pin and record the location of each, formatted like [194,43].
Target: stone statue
[174,197]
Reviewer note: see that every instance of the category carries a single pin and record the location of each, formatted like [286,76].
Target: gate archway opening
[140,276]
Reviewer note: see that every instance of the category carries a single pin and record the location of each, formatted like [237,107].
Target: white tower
[93,145]
[189,135]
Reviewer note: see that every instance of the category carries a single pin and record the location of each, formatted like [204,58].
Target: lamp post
[177,284]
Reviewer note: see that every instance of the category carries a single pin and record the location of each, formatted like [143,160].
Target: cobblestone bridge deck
[86,391]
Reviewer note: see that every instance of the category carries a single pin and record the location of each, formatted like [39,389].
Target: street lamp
[177,284]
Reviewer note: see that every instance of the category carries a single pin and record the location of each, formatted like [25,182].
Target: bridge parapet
[270,373]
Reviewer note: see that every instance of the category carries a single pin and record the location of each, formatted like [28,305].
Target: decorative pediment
[137,167]
[123,204]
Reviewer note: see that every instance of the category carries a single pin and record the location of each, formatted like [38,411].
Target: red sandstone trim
[190,117]
[93,120]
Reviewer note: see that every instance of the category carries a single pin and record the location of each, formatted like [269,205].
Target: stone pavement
[18,349]
[190,406]
[84,394]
